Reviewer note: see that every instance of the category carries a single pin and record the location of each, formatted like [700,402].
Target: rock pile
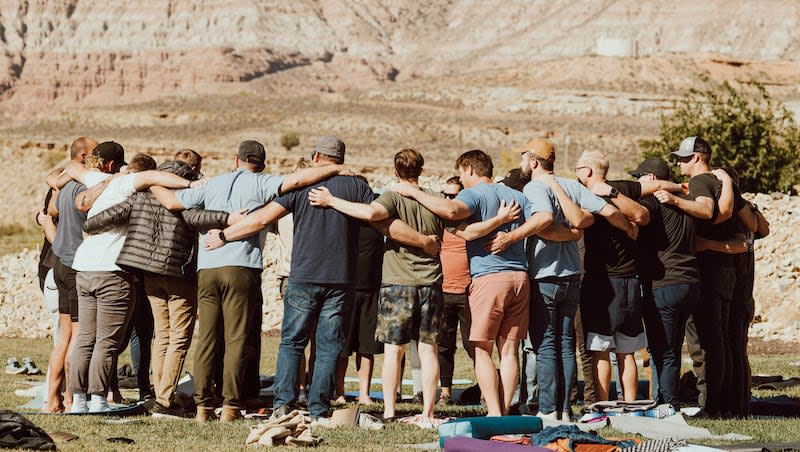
[777,289]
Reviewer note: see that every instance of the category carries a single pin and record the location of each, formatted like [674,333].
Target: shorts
[611,309]
[409,312]
[67,290]
[498,306]
[618,343]
[360,335]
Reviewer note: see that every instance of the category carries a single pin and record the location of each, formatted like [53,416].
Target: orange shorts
[498,306]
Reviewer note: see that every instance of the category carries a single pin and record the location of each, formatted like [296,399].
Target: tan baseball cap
[540,148]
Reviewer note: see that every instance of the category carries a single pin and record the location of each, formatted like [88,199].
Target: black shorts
[67,290]
[612,305]
[360,336]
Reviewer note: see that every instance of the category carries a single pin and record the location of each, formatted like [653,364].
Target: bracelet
[222,237]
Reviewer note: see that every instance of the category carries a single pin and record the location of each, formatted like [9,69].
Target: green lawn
[182,436]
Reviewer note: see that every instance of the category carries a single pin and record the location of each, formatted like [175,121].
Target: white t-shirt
[98,253]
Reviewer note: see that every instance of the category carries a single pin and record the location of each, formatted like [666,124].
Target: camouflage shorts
[409,312]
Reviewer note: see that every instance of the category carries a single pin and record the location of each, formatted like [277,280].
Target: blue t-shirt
[559,259]
[232,192]
[69,233]
[483,201]
[325,245]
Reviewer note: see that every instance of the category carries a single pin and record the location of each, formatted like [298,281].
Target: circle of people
[551,263]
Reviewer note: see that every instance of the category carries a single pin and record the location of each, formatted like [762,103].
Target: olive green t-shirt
[403,265]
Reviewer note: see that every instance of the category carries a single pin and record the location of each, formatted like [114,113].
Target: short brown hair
[408,164]
[81,144]
[190,157]
[479,161]
[455,180]
[141,162]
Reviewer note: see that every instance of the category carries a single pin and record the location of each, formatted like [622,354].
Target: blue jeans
[304,306]
[555,301]
[665,320]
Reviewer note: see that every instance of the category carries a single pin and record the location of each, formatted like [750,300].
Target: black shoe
[159,411]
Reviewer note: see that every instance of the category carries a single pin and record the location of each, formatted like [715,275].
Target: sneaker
[417,398]
[552,416]
[30,366]
[369,422]
[98,404]
[321,422]
[159,411]
[566,416]
[279,412]
[79,404]
[13,367]
[302,398]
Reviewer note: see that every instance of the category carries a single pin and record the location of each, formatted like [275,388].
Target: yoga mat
[485,427]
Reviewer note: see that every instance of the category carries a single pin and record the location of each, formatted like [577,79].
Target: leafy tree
[748,131]
[289,140]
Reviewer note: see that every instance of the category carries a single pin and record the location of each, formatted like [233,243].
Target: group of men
[505,264]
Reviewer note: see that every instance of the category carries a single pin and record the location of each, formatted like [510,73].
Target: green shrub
[290,140]
[747,130]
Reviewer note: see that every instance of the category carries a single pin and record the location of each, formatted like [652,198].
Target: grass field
[150,434]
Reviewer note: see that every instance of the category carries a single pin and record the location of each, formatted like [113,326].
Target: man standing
[611,291]
[229,278]
[713,199]
[320,287]
[498,295]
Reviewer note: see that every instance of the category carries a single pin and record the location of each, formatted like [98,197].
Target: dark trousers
[453,316]
[741,314]
[140,338]
[230,295]
[665,316]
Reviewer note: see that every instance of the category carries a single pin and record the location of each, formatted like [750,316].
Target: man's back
[667,244]
[609,250]
[325,244]
[69,234]
[483,201]
[232,192]
[408,266]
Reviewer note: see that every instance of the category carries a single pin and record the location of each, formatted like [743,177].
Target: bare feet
[365,401]
[58,407]
[340,400]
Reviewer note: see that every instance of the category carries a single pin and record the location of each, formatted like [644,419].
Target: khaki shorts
[498,306]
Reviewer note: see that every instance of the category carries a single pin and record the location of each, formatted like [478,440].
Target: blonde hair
[595,160]
[93,162]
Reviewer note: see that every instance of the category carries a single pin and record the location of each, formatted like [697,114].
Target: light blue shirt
[232,192]
[557,259]
[483,201]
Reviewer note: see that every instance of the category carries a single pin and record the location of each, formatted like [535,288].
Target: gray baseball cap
[332,146]
[691,145]
[252,152]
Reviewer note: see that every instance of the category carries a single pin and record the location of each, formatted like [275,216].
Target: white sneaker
[98,404]
[79,404]
[566,416]
[552,416]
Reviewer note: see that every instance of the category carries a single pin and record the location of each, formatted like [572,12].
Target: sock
[416,375]
[98,403]
[78,402]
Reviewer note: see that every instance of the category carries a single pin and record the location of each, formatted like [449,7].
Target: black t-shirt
[666,246]
[325,245]
[608,249]
[370,257]
[709,186]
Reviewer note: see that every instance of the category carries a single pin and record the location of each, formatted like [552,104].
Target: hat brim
[637,174]
[678,153]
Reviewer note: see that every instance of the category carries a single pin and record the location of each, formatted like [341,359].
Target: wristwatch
[613,193]
[222,237]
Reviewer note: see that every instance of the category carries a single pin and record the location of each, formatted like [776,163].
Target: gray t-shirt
[557,259]
[69,234]
[231,192]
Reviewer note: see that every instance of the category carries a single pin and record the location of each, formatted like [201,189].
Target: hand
[432,245]
[345,171]
[602,189]
[664,197]
[498,243]
[236,217]
[198,183]
[404,190]
[212,239]
[633,231]
[508,213]
[722,175]
[320,197]
[41,218]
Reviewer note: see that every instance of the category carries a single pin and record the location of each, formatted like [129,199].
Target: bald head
[80,148]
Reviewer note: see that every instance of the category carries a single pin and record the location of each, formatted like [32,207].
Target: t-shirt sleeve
[191,197]
[93,178]
[127,184]
[269,186]
[539,197]
[287,201]
[700,187]
[470,198]
[588,200]
[389,202]
[651,204]
[629,188]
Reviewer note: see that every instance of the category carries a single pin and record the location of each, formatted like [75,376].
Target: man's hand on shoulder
[345,170]
[722,175]
[665,197]
[508,213]
[320,197]
[404,189]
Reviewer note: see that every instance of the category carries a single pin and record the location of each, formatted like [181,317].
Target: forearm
[400,232]
[49,229]
[725,202]
[441,207]
[147,179]
[736,245]
[535,224]
[632,210]
[85,199]
[617,219]
[558,232]
[255,222]
[366,212]
[748,217]
[695,208]
[307,176]
[651,186]
[480,229]
[576,216]
[167,198]
[59,180]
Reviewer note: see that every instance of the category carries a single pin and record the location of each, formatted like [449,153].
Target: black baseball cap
[652,165]
[251,151]
[110,151]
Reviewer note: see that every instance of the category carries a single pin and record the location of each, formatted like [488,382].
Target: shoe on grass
[13,367]
[30,366]
[159,411]
[205,414]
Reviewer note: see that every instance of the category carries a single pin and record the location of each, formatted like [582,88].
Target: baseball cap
[330,145]
[110,151]
[652,165]
[691,145]
[252,152]
[515,179]
[541,148]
